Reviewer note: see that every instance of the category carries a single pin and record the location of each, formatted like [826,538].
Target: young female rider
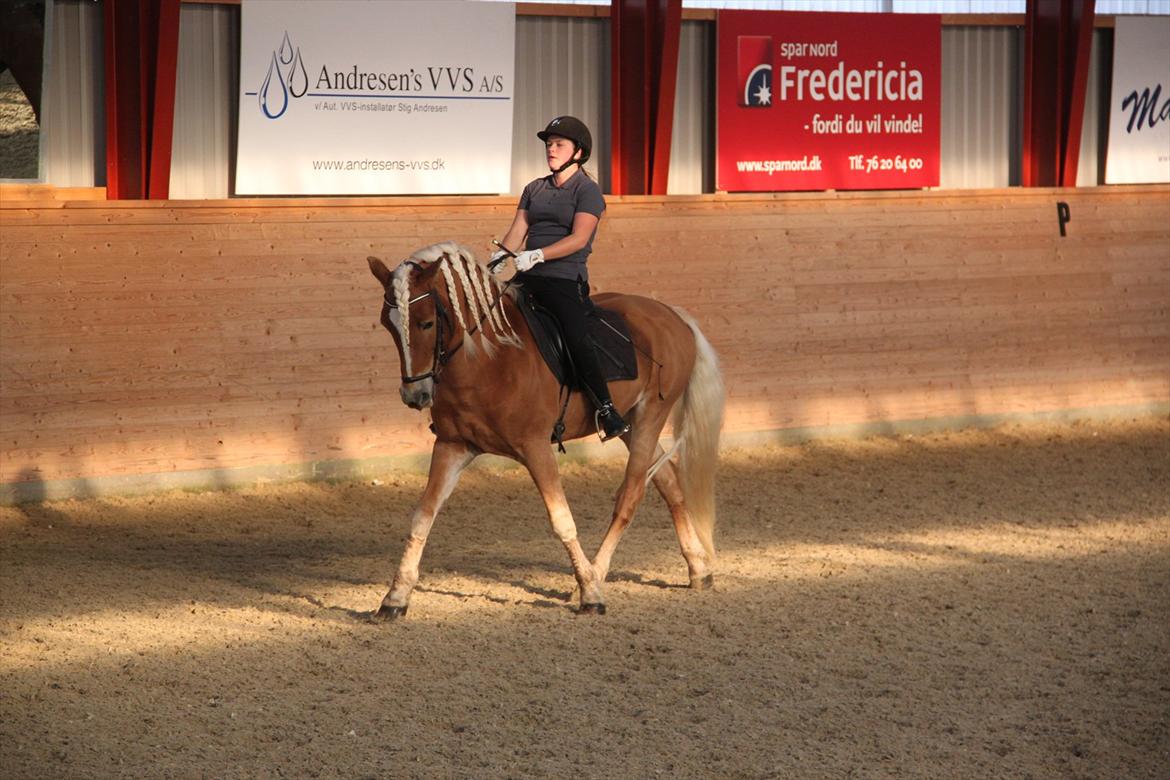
[558,215]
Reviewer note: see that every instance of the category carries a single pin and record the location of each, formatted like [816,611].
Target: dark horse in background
[467,353]
[22,46]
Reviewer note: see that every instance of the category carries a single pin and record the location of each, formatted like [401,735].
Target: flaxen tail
[698,418]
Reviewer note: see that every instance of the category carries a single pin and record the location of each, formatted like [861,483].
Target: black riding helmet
[575,130]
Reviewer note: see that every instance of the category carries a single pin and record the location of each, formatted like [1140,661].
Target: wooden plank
[155,336]
[12,193]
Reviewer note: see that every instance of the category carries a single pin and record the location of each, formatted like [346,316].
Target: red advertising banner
[817,101]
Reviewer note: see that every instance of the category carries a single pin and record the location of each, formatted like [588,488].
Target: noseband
[443,323]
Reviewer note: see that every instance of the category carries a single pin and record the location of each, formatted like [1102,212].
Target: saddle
[607,330]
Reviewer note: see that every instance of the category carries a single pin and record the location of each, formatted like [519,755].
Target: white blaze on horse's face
[416,395]
[394,324]
[415,333]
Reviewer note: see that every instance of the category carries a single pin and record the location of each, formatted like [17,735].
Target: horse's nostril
[424,399]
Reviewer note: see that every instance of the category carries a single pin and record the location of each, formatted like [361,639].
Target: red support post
[671,15]
[644,52]
[141,42]
[1058,34]
[627,20]
[145,56]
[1078,44]
[124,131]
[163,116]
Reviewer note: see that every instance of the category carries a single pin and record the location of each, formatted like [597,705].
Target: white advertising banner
[360,97]
[1139,117]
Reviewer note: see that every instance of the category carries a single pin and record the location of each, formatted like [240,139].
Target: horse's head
[434,304]
[417,313]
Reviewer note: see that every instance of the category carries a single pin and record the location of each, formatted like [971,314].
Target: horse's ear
[379,270]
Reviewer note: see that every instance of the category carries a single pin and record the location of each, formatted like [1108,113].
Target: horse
[467,354]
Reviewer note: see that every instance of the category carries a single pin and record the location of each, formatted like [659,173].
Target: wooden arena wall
[144,340]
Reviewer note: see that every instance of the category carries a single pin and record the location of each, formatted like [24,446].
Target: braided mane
[484,319]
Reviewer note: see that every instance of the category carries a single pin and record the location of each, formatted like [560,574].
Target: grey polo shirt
[550,218]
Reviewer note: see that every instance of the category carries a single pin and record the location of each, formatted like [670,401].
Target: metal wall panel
[692,157]
[793,5]
[203,153]
[958,6]
[980,136]
[920,6]
[562,67]
[980,133]
[1139,7]
[73,143]
[1095,129]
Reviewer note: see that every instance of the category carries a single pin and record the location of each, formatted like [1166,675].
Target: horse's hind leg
[642,442]
[448,459]
[542,465]
[699,568]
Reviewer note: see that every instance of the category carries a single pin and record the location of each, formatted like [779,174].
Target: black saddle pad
[607,329]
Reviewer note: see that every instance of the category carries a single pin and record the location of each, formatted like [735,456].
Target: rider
[559,214]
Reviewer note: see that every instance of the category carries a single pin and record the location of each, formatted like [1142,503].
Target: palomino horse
[467,353]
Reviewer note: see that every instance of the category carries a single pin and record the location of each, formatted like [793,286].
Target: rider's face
[558,151]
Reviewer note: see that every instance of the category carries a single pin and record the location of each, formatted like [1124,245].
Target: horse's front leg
[542,465]
[448,459]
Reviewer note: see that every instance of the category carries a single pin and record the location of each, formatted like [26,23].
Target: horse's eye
[426,325]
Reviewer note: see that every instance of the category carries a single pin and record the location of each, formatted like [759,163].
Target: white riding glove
[527,259]
[497,268]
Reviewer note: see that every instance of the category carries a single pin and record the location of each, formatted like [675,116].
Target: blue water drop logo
[286,50]
[298,79]
[287,78]
[272,94]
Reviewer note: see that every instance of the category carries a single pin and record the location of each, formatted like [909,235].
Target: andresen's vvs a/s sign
[814,101]
[339,97]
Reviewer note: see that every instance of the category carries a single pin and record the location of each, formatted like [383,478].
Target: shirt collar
[552,179]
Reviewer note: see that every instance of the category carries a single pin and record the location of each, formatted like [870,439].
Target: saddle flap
[607,329]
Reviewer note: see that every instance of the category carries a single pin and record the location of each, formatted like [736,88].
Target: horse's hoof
[591,609]
[387,613]
[703,583]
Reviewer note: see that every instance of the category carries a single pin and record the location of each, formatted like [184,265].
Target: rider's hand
[527,259]
[496,263]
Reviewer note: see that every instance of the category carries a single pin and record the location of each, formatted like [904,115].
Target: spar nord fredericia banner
[342,97]
[813,101]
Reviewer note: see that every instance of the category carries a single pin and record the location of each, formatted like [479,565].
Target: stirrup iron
[610,424]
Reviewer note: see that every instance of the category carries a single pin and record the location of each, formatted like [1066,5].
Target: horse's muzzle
[418,395]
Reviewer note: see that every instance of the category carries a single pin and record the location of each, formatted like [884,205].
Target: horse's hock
[218,342]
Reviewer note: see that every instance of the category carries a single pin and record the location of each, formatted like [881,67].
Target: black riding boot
[609,423]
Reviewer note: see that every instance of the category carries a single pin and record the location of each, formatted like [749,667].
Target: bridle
[441,355]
